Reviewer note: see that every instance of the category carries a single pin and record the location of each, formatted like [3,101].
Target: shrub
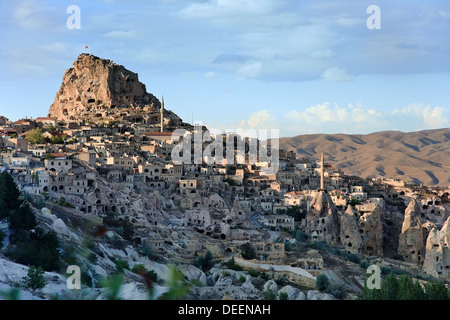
[141,270]
[301,236]
[34,278]
[121,265]
[247,251]
[205,263]
[269,295]
[254,273]
[322,282]
[337,291]
[231,264]
[2,238]
[283,296]
[354,258]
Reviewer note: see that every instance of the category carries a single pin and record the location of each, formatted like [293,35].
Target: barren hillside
[423,156]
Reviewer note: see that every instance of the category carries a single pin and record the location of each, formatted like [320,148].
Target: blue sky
[298,66]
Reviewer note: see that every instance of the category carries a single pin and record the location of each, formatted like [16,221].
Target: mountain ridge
[422,157]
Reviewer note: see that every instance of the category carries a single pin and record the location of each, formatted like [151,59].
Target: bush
[205,263]
[283,296]
[34,278]
[322,282]
[254,273]
[37,248]
[247,251]
[354,258]
[337,291]
[269,295]
[141,270]
[121,265]
[231,264]
[2,238]
[301,236]
[404,288]
[436,290]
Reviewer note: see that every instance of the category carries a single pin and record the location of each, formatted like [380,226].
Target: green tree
[297,212]
[247,251]
[34,278]
[301,236]
[2,238]
[121,265]
[436,290]
[322,282]
[58,139]
[22,219]
[409,290]
[205,263]
[35,177]
[269,295]
[9,194]
[35,136]
[390,288]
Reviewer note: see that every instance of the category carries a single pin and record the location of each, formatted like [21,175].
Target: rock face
[412,239]
[437,256]
[322,222]
[96,89]
[371,228]
[350,237]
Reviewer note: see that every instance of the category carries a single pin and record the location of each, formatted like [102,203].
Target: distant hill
[422,157]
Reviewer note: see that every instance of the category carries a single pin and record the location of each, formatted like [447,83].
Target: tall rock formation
[350,236]
[99,90]
[322,221]
[412,239]
[437,255]
[371,229]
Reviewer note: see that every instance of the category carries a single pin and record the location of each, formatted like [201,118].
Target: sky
[301,67]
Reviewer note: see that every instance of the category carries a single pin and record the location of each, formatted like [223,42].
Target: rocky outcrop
[292,293]
[437,255]
[322,221]
[371,228]
[350,237]
[99,90]
[412,239]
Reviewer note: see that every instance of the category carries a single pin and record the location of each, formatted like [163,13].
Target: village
[112,161]
[125,169]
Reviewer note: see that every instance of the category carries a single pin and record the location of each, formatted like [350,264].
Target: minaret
[322,170]
[162,114]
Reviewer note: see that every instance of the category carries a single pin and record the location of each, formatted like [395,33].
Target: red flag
[86,47]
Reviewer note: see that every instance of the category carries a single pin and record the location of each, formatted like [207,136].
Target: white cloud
[37,15]
[218,9]
[211,75]
[121,34]
[336,75]
[359,119]
[431,117]
[249,70]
